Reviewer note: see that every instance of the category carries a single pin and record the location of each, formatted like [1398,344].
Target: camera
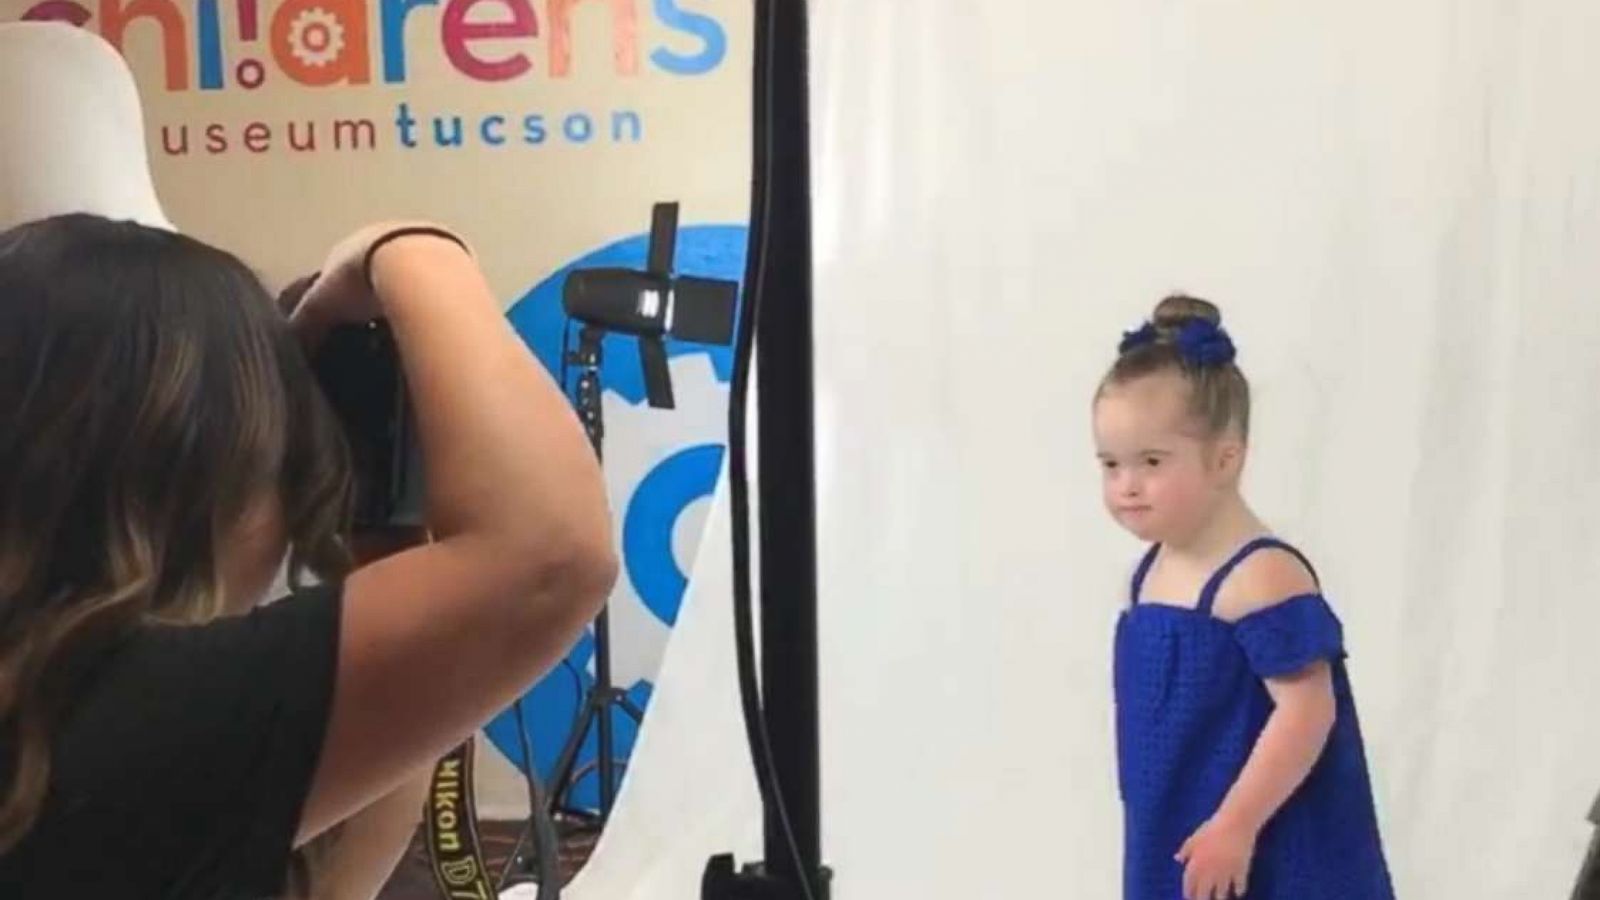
[358,368]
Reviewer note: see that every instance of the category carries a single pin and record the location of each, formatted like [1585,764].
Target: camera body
[358,368]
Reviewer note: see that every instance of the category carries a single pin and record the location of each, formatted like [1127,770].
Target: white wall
[1397,205]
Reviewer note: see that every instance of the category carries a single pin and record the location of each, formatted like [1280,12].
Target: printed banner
[544,130]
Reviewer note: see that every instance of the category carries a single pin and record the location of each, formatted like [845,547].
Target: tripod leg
[604,692]
[515,866]
[533,808]
[608,772]
[529,773]
[561,775]
[537,851]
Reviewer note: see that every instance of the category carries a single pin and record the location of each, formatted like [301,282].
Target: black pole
[787,456]
[777,321]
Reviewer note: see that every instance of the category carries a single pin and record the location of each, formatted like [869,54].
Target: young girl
[1241,763]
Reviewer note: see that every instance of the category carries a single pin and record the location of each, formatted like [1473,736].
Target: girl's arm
[1217,857]
[1303,702]
[1289,746]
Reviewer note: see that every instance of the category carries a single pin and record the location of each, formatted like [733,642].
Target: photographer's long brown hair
[151,394]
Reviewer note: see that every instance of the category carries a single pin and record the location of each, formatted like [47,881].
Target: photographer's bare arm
[437,639]
[356,858]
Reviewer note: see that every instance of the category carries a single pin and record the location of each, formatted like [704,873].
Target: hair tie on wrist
[408,231]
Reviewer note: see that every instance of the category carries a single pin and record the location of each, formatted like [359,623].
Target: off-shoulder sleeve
[1285,638]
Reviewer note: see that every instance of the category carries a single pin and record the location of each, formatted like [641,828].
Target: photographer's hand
[342,292]
[437,639]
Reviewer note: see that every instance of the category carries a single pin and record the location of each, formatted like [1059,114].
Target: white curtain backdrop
[1397,206]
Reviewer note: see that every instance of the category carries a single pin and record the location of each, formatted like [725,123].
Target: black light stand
[783,729]
[602,695]
[595,710]
[649,305]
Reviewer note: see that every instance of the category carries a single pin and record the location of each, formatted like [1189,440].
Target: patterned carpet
[414,880]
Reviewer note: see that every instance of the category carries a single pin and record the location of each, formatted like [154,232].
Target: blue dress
[1190,705]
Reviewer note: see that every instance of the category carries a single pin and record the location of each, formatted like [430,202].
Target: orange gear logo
[316,37]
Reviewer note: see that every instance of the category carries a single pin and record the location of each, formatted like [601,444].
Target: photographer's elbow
[566,559]
[592,574]
[581,575]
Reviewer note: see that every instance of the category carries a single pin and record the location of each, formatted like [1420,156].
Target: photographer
[164,445]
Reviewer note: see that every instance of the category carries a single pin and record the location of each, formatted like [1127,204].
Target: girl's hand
[1216,861]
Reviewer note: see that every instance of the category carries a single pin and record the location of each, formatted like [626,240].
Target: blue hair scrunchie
[1144,336]
[1201,343]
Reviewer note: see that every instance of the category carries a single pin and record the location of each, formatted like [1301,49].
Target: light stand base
[723,882]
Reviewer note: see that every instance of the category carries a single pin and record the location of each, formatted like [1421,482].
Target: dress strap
[1208,594]
[1143,570]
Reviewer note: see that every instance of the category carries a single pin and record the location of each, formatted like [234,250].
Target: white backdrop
[1397,206]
